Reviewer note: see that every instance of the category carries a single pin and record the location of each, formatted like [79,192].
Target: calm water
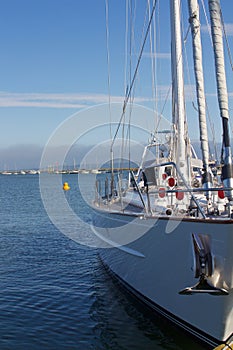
[54,293]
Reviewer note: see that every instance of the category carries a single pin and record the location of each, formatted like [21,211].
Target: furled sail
[199,76]
[216,31]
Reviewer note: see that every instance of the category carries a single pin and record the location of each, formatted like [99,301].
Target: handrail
[187,189]
[139,191]
[185,183]
[97,191]
[198,189]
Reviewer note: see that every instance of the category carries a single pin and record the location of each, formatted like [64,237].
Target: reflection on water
[54,293]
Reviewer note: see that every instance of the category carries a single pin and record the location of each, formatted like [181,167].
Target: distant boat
[169,240]
[95,171]
[73,171]
[84,171]
[33,172]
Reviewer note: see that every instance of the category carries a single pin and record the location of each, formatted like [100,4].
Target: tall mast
[216,31]
[199,76]
[179,119]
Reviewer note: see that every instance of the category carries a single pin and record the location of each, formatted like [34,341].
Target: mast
[216,31]
[199,76]
[178,113]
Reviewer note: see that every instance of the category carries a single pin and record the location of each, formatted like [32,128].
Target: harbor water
[55,293]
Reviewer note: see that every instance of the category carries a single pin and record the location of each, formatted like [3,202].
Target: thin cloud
[74,100]
[50,100]
[8,99]
[228,28]
[163,56]
[59,100]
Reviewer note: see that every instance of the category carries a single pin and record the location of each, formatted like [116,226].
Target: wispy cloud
[78,100]
[59,100]
[51,100]
[228,28]
[162,56]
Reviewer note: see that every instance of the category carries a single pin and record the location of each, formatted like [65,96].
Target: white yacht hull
[158,265]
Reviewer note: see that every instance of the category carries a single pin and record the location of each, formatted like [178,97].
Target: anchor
[203,268]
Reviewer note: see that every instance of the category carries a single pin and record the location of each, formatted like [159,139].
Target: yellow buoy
[66,186]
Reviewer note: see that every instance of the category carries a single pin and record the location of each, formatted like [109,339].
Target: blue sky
[53,63]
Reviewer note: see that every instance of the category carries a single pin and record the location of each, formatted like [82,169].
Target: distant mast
[199,76]
[178,108]
[216,31]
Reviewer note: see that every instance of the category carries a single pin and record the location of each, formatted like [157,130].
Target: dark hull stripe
[205,338]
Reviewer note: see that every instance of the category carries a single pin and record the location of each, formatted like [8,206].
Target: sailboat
[169,237]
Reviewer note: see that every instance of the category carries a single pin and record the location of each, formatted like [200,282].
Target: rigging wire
[108,62]
[134,76]
[130,71]
[131,99]
[127,11]
[170,87]
[153,62]
[168,93]
[129,33]
[132,41]
[228,52]
[212,131]
[226,39]
[207,21]
[229,56]
[193,94]
[211,124]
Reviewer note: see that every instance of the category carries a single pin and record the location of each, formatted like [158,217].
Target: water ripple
[54,293]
